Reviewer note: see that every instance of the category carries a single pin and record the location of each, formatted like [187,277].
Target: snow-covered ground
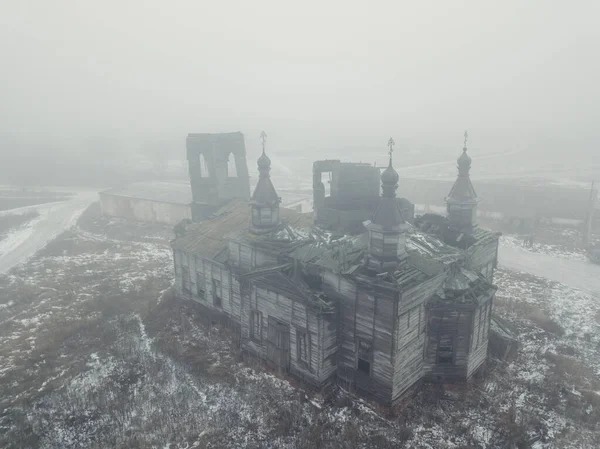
[53,219]
[95,350]
[567,268]
[573,253]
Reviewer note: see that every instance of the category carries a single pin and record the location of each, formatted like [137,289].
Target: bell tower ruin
[215,183]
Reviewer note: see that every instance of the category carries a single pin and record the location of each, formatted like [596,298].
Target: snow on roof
[208,237]
[430,246]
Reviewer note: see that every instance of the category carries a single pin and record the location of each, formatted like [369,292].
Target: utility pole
[589,219]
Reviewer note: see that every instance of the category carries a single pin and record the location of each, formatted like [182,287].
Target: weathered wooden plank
[481,254]
[420,293]
[364,315]
[246,257]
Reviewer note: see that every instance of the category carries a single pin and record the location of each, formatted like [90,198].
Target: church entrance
[278,345]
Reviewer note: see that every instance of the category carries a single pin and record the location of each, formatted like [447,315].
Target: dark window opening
[200,286]
[445,350]
[185,279]
[445,359]
[365,356]
[216,286]
[313,280]
[326,184]
[256,325]
[479,328]
[364,366]
[302,346]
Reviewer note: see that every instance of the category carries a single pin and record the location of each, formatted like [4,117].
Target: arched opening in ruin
[326,183]
[231,166]
[204,171]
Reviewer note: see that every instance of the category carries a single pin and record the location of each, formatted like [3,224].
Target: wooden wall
[451,323]
[145,210]
[239,298]
[402,330]
[366,314]
[246,258]
[479,340]
[411,335]
[202,272]
[320,328]
[468,326]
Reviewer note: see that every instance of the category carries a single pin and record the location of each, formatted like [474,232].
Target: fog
[318,76]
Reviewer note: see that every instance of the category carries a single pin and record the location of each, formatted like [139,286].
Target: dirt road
[53,219]
[578,274]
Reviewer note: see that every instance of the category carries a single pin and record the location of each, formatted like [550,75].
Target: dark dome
[264,162]
[389,175]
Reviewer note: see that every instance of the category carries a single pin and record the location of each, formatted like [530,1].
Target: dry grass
[573,371]
[531,312]
[150,396]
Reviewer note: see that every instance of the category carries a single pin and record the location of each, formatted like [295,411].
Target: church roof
[434,224]
[466,287]
[388,214]
[265,193]
[209,237]
[390,176]
[462,191]
[264,162]
[276,279]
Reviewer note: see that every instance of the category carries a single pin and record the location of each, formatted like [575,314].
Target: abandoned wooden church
[405,300]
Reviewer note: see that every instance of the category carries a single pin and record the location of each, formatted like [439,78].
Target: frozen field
[95,352]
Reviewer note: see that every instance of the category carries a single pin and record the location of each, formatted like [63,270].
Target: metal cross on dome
[466,137]
[391,144]
[263,138]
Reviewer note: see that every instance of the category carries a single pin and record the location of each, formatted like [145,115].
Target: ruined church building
[360,292]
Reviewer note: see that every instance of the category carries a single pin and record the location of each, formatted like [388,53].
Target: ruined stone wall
[144,210]
[217,185]
[354,194]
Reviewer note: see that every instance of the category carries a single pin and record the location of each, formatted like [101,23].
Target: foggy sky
[314,73]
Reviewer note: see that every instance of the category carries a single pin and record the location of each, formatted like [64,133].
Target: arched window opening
[204,172]
[326,183]
[231,167]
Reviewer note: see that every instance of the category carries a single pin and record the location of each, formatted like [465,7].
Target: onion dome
[389,177]
[264,163]
[464,162]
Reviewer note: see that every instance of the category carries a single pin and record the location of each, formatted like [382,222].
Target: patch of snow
[540,248]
